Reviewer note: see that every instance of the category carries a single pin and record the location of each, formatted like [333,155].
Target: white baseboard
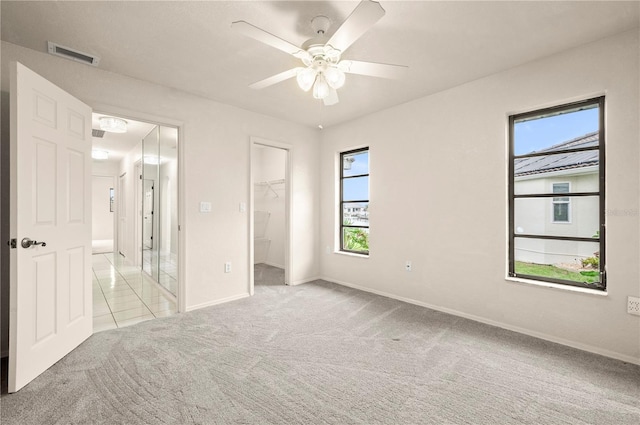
[540,335]
[216,302]
[309,279]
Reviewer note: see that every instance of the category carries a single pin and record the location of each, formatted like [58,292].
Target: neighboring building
[558,216]
[357,214]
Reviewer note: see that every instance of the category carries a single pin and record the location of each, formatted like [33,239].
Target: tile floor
[123,295]
[163,267]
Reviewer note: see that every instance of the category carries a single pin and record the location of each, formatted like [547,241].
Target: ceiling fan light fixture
[320,88]
[321,55]
[332,55]
[335,77]
[306,77]
[320,24]
[113,124]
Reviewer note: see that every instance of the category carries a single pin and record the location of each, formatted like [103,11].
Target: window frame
[601,239]
[554,202]
[341,202]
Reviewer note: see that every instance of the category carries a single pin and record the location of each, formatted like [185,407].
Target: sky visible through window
[542,133]
[357,188]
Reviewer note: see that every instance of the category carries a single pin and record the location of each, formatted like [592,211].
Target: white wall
[215,154]
[439,198]
[102,228]
[104,168]
[270,164]
[101,214]
[129,232]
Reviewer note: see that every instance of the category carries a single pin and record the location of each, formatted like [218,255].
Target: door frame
[257,141]
[119,206]
[166,122]
[137,208]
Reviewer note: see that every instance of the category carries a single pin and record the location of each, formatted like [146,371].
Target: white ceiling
[189,45]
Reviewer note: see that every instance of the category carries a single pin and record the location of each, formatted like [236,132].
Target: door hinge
[13,243]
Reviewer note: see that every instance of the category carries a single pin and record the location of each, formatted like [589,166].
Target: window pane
[539,134]
[355,164]
[580,217]
[566,260]
[355,214]
[561,188]
[355,189]
[355,239]
[541,174]
[561,212]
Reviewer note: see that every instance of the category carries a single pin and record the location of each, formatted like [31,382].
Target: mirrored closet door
[160,207]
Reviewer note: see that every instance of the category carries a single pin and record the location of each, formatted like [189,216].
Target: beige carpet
[320,353]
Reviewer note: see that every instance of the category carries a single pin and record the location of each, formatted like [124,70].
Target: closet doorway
[270,208]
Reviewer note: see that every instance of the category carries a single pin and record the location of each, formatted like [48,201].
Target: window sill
[557,286]
[351,254]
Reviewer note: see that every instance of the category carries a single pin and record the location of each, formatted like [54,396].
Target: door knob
[27,243]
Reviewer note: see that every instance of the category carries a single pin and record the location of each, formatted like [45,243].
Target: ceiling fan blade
[275,79]
[363,17]
[331,98]
[373,69]
[256,33]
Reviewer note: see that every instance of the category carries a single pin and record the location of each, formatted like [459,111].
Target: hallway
[123,295]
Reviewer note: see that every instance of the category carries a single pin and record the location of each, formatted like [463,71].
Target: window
[354,201]
[561,205]
[558,150]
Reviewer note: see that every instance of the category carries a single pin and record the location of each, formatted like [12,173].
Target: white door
[51,301]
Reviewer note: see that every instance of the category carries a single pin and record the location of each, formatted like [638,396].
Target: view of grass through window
[354,201]
[558,238]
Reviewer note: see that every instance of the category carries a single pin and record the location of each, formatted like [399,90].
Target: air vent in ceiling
[67,52]
[97,133]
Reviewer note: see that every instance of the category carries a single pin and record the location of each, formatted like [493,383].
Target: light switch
[205,207]
[243,207]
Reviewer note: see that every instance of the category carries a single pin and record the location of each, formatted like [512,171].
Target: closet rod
[270,182]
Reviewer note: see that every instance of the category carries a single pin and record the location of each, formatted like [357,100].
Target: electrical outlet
[407,266]
[633,305]
[227,267]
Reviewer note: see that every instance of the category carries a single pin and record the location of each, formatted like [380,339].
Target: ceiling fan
[323,68]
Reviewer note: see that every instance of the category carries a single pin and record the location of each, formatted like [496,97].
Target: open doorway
[270,207]
[123,292]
